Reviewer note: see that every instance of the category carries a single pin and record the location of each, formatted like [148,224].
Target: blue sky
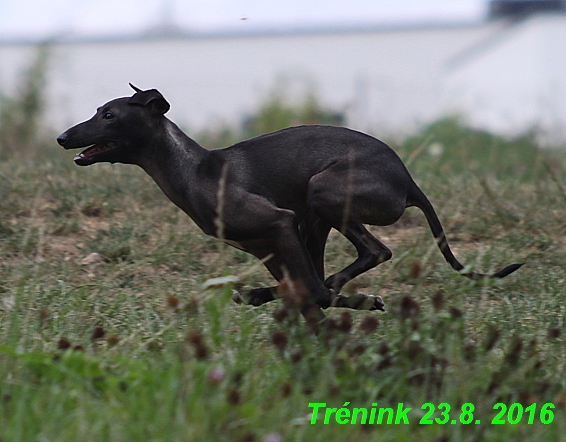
[47,18]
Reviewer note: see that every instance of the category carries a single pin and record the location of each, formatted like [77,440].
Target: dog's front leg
[314,233]
[277,242]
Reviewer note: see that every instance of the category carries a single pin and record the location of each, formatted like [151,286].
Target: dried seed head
[237,378]
[383,349]
[112,340]
[63,344]
[247,437]
[195,338]
[332,324]
[234,397]
[455,312]
[408,308]
[43,314]
[308,390]
[97,333]
[296,355]
[200,351]
[280,314]
[172,302]
[415,270]
[345,322]
[369,324]
[358,349]
[437,300]
[415,324]
[153,346]
[279,339]
[286,389]
[553,332]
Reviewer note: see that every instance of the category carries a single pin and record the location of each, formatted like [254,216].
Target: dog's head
[118,130]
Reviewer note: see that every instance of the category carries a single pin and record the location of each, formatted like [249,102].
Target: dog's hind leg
[371,252]
[345,198]
[314,233]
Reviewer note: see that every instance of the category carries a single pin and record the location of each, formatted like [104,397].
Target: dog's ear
[152,99]
[137,89]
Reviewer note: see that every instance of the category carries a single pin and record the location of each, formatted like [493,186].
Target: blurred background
[388,68]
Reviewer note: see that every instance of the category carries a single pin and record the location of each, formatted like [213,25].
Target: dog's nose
[61,139]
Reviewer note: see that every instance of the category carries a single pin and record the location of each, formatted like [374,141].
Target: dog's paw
[247,298]
[363,301]
[378,303]
[237,297]
[359,301]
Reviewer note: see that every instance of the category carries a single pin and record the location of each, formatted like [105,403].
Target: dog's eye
[108,116]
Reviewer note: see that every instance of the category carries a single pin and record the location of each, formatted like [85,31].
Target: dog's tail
[419,199]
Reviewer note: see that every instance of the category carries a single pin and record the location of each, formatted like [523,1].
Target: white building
[506,76]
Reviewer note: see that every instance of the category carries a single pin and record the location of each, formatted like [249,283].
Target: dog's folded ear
[152,99]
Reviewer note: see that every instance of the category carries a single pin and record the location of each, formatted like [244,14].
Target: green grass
[128,346]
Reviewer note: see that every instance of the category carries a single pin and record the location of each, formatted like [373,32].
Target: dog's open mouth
[90,154]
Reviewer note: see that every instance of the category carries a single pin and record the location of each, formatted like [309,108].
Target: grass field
[106,332]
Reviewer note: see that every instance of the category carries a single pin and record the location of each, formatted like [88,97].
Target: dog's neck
[172,160]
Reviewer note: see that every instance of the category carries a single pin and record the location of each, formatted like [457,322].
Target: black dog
[275,196]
